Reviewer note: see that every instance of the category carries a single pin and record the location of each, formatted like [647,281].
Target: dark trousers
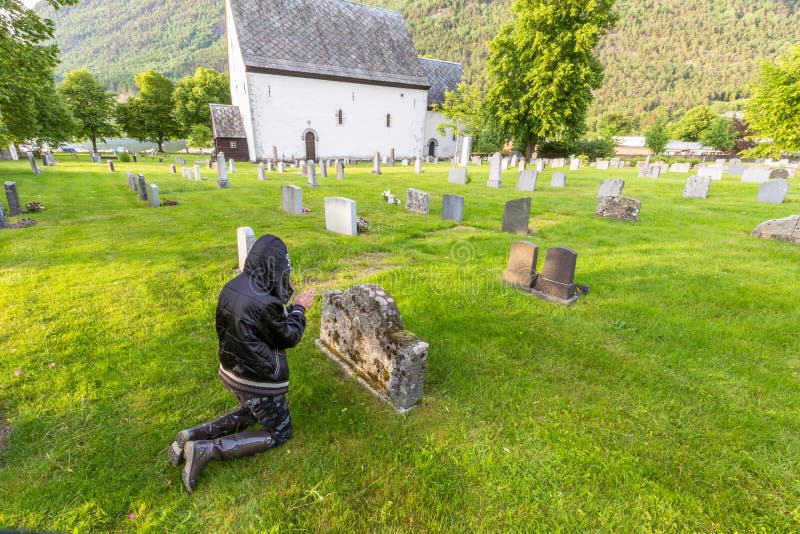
[271,412]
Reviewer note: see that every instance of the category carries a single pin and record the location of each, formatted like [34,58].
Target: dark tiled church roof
[443,76]
[329,39]
[226,121]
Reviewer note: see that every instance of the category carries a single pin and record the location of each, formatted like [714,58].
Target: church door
[311,152]
[432,148]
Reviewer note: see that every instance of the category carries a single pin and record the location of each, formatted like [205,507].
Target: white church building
[317,79]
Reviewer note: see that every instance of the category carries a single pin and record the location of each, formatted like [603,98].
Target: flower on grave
[306,211]
[23,223]
[168,202]
[581,290]
[34,206]
[362,225]
[17,372]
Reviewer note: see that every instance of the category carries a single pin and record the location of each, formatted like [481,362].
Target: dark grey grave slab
[516,216]
[453,208]
[14,207]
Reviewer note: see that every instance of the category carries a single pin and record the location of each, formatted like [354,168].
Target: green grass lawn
[667,399]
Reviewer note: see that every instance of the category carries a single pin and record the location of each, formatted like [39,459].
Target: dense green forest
[663,53]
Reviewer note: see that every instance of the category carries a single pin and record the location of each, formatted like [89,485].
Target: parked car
[68,150]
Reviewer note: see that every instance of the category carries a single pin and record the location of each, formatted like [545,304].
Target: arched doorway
[311,146]
[432,148]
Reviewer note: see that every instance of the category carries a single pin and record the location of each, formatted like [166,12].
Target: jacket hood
[269,268]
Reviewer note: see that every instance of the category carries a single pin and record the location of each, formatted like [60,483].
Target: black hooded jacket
[254,325]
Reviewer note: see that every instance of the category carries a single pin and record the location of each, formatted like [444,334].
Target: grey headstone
[376,163]
[557,278]
[261,175]
[340,215]
[110,166]
[457,175]
[324,169]
[3,216]
[736,169]
[540,165]
[281,167]
[697,187]
[12,149]
[476,160]
[527,180]
[650,171]
[521,270]
[311,173]
[274,153]
[404,162]
[779,174]
[611,188]
[390,160]
[755,174]
[559,179]
[787,229]
[152,196]
[14,207]
[504,162]
[614,163]
[574,164]
[418,201]
[197,176]
[712,171]
[142,187]
[514,161]
[602,164]
[619,208]
[522,165]
[418,166]
[270,166]
[232,166]
[292,199]
[436,160]
[495,171]
[32,161]
[516,216]
[453,208]
[680,167]
[340,170]
[245,239]
[173,168]
[774,191]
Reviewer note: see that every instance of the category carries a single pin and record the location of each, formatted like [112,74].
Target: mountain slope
[667,53]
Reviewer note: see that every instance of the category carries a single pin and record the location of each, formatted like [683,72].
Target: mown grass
[667,399]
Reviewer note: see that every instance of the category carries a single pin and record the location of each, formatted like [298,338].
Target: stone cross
[521,270]
[361,329]
[376,163]
[495,164]
[453,208]
[340,215]
[245,239]
[418,201]
[527,180]
[516,216]
[14,207]
[292,199]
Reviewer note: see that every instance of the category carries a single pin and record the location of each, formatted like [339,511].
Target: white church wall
[284,108]
[238,79]
[445,144]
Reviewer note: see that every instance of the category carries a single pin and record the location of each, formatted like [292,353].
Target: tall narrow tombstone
[304,168]
[697,187]
[311,173]
[526,181]
[281,167]
[521,166]
[173,168]
[340,170]
[418,201]
[197,176]
[495,172]
[245,239]
[152,196]
[12,149]
[32,161]
[457,175]
[559,179]
[557,278]
[270,166]
[129,176]
[540,164]
[619,208]
[611,188]
[516,216]
[376,163]
[110,166]
[418,165]
[521,270]
[514,161]
[232,166]
[222,172]
[324,169]
[466,150]
[274,153]
[14,207]
[504,163]
[453,208]
[292,199]
[45,163]
[209,164]
[390,159]
[340,216]
[261,175]
[142,187]
[3,217]
[773,191]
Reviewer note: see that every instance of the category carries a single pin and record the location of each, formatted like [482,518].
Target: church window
[339,116]
[388,120]
[233,144]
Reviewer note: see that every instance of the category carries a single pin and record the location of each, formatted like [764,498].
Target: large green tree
[193,94]
[774,108]
[56,124]
[27,59]
[90,104]
[656,137]
[692,125]
[720,134]
[543,68]
[148,117]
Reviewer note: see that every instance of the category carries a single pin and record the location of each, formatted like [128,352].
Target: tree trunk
[94,143]
[160,141]
[532,149]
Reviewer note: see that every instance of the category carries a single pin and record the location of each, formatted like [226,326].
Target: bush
[124,157]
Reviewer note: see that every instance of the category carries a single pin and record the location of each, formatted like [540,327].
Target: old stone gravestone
[557,278]
[340,215]
[303,168]
[504,163]
[619,208]
[495,171]
[142,187]
[197,173]
[476,160]
[680,167]
[575,164]
[782,174]
[311,173]
[453,208]
[650,171]
[697,187]
[602,164]
[323,169]
[292,199]
[611,188]
[418,201]
[222,172]
[559,179]
[281,167]
[527,180]
[521,270]
[3,217]
[361,329]
[755,175]
[232,166]
[712,171]
[173,168]
[131,180]
[245,239]
[522,165]
[516,216]
[614,163]
[773,191]
[376,163]
[457,175]
[32,161]
[466,150]
[14,207]
[270,166]
[110,166]
[12,150]
[787,229]
[340,170]
[540,165]
[418,166]
[152,196]
[261,175]
[736,169]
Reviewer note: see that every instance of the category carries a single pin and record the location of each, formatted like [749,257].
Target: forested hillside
[669,53]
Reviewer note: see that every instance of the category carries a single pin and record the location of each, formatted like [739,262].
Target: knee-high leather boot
[222,426]
[199,453]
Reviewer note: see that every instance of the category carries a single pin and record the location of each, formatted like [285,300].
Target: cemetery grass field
[666,399]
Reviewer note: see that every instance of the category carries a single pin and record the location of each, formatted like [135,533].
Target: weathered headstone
[557,278]
[540,165]
[697,187]
[773,191]
[418,201]
[281,167]
[232,166]
[311,173]
[292,199]
[680,167]
[209,164]
[476,160]
[559,179]
[504,163]
[614,163]
[453,208]
[131,180]
[755,174]
[274,153]
[558,163]
[575,164]
[303,168]
[602,164]
[14,207]
[110,166]
[495,171]
[152,196]
[222,172]
[521,270]
[514,160]
[173,168]
[3,217]
[712,171]
[340,170]
[197,173]
[142,187]
[418,165]
[12,150]
[390,160]
[526,181]
[32,161]
[650,171]
[340,215]
[436,160]
[457,175]
[787,229]
[261,175]
[782,174]
[323,169]
[610,188]
[619,208]
[245,239]
[516,216]
[376,163]
[270,166]
[361,329]
[522,165]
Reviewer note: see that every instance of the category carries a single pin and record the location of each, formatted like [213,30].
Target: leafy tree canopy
[193,94]
[148,117]
[90,104]
[656,137]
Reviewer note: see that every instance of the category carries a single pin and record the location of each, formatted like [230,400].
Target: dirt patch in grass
[5,430]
